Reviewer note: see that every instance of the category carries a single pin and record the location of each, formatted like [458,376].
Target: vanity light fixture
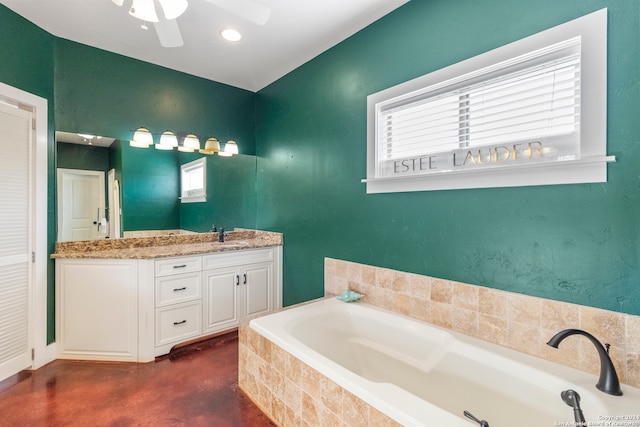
[142,138]
[230,148]
[168,141]
[189,144]
[231,35]
[211,146]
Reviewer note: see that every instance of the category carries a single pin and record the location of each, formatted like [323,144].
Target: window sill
[585,170]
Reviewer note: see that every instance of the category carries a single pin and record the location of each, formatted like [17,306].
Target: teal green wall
[26,62]
[93,91]
[575,243]
[85,157]
[111,95]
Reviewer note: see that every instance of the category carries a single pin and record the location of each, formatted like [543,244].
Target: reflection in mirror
[88,189]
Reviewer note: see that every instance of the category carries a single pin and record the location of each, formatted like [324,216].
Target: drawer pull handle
[180,289]
[245,278]
[237,280]
[179,323]
[180,266]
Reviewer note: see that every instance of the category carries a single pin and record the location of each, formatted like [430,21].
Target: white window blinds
[532,97]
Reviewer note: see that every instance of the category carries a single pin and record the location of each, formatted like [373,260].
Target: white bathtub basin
[422,375]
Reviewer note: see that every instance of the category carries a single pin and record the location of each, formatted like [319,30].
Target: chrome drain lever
[469,415]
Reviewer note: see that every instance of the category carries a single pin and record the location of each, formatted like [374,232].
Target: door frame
[43,353]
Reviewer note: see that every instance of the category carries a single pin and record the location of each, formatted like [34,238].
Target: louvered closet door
[15,240]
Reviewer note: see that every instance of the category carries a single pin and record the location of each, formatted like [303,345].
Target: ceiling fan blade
[248,9]
[168,33]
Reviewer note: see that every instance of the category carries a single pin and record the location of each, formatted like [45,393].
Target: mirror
[146,185]
[87,188]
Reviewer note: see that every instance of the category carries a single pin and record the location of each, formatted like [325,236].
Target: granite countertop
[166,246]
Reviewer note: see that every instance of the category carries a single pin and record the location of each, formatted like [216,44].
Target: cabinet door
[221,299]
[257,282]
[97,304]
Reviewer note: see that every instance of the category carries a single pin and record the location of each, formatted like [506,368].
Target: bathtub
[422,375]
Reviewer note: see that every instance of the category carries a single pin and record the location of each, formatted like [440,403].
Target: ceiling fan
[167,27]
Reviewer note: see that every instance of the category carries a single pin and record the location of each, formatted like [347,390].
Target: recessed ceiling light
[231,35]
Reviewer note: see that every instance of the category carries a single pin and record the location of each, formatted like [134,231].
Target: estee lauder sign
[467,158]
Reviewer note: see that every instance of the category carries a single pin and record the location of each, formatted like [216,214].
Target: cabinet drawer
[170,266]
[178,322]
[227,259]
[178,288]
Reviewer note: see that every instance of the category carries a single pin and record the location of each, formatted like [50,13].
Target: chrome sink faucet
[608,381]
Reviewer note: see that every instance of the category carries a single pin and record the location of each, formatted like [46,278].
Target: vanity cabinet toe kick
[134,310]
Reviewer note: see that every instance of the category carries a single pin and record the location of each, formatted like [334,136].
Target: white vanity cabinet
[178,301]
[97,309]
[237,285]
[138,309]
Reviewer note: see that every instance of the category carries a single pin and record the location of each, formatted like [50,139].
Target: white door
[16,213]
[80,205]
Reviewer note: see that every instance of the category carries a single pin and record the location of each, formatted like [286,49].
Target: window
[193,182]
[529,113]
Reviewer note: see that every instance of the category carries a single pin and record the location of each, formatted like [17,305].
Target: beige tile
[523,309]
[293,396]
[278,411]
[492,329]
[311,409]
[606,326]
[633,333]
[329,418]
[492,302]
[524,338]
[441,291]
[293,369]
[465,296]
[368,275]
[354,271]
[278,383]
[557,316]
[464,321]
[291,418]
[331,396]
[311,381]
[378,419]
[420,286]
[441,314]
[401,303]
[632,369]
[279,359]
[420,309]
[384,278]
[402,283]
[354,411]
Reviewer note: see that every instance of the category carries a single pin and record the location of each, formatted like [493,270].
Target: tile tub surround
[166,246]
[516,321]
[292,393]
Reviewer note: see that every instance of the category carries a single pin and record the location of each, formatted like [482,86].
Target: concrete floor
[193,386]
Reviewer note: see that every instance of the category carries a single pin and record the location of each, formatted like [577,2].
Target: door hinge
[33,257]
[33,124]
[33,354]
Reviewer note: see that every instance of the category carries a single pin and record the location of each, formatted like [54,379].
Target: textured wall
[574,243]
